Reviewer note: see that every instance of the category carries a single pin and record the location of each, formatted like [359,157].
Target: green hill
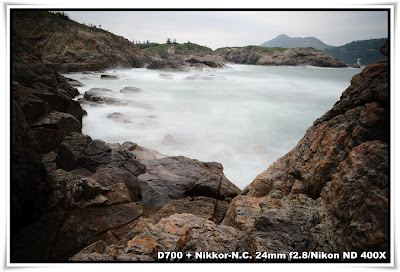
[289,42]
[366,50]
[165,51]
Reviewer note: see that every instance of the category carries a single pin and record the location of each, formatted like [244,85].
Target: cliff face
[278,56]
[70,46]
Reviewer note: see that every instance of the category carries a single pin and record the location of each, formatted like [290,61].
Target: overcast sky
[239,28]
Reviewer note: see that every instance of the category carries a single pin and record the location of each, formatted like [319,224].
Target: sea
[243,116]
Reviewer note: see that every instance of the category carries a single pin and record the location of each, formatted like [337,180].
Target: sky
[216,29]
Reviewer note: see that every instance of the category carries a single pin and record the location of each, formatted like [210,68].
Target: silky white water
[245,117]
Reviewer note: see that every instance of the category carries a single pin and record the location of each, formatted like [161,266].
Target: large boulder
[176,177]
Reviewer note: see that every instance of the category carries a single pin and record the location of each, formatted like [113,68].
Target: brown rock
[186,233]
[175,177]
[242,212]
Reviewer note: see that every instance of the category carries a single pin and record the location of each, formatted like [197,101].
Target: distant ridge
[366,50]
[289,42]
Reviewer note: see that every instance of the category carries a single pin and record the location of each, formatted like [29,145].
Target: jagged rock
[129,90]
[201,206]
[79,150]
[175,177]
[358,197]
[38,102]
[242,212]
[50,130]
[186,233]
[72,191]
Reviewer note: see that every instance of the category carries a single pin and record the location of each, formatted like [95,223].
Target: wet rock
[119,117]
[108,77]
[169,140]
[166,76]
[208,63]
[141,153]
[74,83]
[130,90]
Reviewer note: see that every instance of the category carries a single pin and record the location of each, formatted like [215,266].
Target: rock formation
[69,46]
[278,56]
[80,199]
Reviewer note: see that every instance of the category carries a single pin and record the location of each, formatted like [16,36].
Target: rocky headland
[69,46]
[276,56]
[74,198]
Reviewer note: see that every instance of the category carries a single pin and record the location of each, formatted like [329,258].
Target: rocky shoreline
[74,198]
[276,56]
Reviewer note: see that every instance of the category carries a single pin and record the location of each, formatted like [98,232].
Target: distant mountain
[366,50]
[287,42]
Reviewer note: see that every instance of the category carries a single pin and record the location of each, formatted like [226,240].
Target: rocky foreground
[74,198]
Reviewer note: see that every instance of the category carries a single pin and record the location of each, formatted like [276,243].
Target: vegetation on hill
[366,50]
[164,50]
